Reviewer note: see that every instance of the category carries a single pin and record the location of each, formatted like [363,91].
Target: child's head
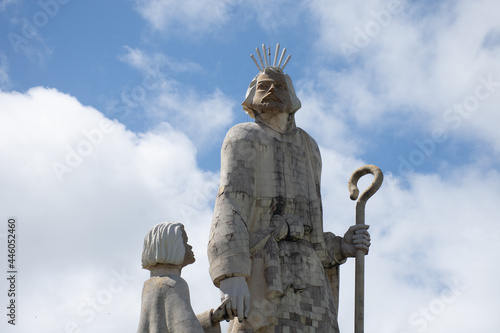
[166,243]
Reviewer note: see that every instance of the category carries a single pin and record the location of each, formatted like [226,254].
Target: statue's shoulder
[244,132]
[169,281]
[308,138]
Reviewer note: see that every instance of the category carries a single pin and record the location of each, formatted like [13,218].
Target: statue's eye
[263,86]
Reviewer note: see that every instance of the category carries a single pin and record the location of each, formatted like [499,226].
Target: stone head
[271,91]
[167,243]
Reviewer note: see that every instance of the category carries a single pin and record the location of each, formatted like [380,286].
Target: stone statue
[166,305]
[267,250]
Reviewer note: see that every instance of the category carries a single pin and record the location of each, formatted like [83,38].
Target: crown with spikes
[267,53]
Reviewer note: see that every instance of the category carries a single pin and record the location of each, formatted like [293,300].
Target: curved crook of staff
[359,303]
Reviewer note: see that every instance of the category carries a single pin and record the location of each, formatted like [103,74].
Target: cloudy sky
[112,114]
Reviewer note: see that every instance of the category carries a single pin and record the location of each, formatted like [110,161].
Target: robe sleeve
[326,244]
[228,246]
[333,245]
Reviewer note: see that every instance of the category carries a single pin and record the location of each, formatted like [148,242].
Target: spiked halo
[267,58]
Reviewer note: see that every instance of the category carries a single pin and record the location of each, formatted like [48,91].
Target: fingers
[361,235]
[247,306]
[361,238]
[229,310]
[237,307]
[241,309]
[236,290]
[226,305]
[362,243]
[355,229]
[359,227]
[220,312]
[361,231]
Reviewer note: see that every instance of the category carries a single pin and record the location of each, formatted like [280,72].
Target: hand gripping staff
[360,219]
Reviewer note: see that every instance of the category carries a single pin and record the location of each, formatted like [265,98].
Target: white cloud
[189,16]
[208,17]
[322,118]
[4,69]
[411,62]
[152,63]
[25,35]
[432,234]
[5,3]
[275,16]
[82,237]
[202,116]
[432,245]
[77,235]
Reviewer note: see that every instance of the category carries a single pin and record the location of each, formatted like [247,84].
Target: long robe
[268,227]
[166,308]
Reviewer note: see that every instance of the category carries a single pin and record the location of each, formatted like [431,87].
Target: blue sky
[113,114]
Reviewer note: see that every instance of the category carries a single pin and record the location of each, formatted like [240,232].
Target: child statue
[166,305]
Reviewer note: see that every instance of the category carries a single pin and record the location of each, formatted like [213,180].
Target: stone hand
[220,313]
[356,238]
[235,289]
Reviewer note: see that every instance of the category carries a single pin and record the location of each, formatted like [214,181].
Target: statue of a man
[268,252]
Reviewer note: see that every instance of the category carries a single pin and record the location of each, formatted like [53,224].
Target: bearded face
[271,94]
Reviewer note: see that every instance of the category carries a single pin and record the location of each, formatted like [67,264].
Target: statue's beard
[271,104]
[270,107]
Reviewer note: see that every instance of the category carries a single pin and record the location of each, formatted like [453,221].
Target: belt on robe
[280,258]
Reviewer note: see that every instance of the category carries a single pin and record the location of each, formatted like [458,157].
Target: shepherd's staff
[359,289]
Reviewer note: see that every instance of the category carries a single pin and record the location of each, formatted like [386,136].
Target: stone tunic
[166,308]
[267,226]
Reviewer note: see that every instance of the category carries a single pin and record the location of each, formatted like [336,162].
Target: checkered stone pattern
[268,227]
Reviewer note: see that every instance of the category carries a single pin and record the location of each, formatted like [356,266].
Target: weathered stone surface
[268,251]
[166,305]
